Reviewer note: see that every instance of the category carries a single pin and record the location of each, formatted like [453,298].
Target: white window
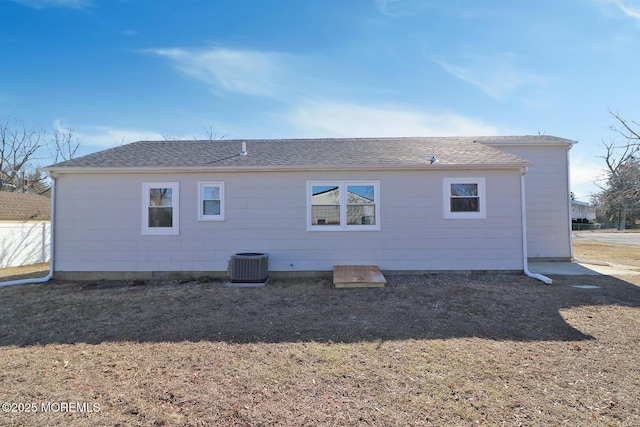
[464,198]
[343,205]
[210,201]
[160,208]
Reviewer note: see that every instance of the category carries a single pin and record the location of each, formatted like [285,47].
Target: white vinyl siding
[464,198]
[343,205]
[210,201]
[160,208]
[98,225]
[548,199]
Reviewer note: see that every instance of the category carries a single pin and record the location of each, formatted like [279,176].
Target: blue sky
[124,70]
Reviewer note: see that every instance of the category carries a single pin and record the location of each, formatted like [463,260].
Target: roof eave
[279,168]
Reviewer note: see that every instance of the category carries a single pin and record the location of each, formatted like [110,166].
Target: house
[183,208]
[25,229]
[582,212]
[583,216]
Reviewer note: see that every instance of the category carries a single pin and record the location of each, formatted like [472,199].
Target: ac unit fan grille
[249,268]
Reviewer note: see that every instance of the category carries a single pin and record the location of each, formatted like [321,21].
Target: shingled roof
[340,153]
[23,207]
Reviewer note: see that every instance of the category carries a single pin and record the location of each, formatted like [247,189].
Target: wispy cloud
[104,136]
[632,11]
[237,71]
[584,174]
[327,118]
[398,8]
[42,4]
[496,75]
[630,8]
[308,108]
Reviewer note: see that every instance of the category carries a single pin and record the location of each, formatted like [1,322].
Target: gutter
[51,245]
[525,262]
[282,168]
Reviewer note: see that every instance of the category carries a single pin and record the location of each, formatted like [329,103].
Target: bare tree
[167,137]
[63,145]
[211,134]
[620,195]
[18,145]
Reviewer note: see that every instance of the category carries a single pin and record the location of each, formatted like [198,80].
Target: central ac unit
[249,268]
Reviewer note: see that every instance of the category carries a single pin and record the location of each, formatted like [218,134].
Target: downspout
[51,245]
[569,197]
[525,255]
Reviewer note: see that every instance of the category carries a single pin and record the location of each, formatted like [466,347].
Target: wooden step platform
[358,276]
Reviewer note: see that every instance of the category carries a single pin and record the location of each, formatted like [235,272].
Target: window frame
[481,213]
[201,199]
[342,186]
[175,206]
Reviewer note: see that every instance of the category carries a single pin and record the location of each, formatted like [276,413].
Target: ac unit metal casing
[249,267]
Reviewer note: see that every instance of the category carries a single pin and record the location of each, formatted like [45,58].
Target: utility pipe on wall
[525,255]
[51,242]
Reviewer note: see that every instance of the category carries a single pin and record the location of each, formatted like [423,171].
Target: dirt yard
[446,349]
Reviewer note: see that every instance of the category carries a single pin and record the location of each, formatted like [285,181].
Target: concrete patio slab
[581,267]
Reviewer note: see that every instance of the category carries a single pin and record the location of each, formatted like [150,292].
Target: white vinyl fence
[24,243]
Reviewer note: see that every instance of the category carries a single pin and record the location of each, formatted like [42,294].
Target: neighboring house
[582,212]
[184,207]
[25,229]
[583,216]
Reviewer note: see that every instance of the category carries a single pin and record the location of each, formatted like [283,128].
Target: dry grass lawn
[607,252]
[445,349]
[26,272]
